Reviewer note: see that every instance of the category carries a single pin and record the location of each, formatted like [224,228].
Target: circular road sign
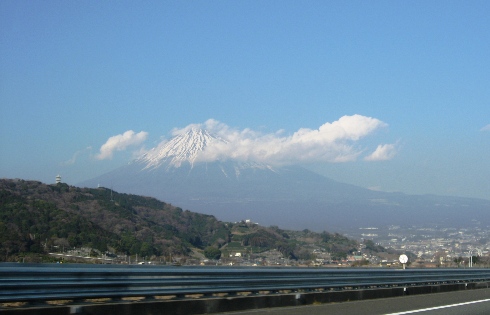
[403,259]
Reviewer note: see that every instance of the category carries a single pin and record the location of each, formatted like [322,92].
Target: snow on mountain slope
[182,148]
[185,149]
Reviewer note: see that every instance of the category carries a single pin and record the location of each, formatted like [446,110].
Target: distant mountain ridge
[289,196]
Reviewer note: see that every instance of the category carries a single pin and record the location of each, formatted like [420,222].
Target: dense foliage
[212,252]
[36,219]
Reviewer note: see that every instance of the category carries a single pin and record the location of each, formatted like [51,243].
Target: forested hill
[35,218]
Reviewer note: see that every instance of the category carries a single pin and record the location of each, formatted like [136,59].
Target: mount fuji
[289,196]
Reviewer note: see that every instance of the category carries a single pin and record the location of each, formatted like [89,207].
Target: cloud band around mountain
[382,153]
[331,142]
[120,142]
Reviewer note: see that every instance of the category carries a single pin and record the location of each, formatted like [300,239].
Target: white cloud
[332,142]
[75,157]
[486,128]
[382,153]
[120,143]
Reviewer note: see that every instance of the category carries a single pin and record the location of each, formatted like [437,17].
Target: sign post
[403,259]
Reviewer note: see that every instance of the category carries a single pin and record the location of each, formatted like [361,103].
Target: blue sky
[76,76]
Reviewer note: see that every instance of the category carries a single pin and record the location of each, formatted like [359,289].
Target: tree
[146,250]
[370,245]
[212,252]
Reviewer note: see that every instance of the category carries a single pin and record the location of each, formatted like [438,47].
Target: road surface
[469,302]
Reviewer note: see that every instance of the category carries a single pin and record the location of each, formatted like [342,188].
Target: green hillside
[36,219]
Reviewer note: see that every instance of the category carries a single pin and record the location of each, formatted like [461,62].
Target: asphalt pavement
[469,302]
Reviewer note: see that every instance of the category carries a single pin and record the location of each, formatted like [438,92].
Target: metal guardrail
[44,282]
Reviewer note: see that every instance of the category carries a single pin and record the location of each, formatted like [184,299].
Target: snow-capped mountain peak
[184,147]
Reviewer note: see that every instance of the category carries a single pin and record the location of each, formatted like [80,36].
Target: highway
[470,302]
